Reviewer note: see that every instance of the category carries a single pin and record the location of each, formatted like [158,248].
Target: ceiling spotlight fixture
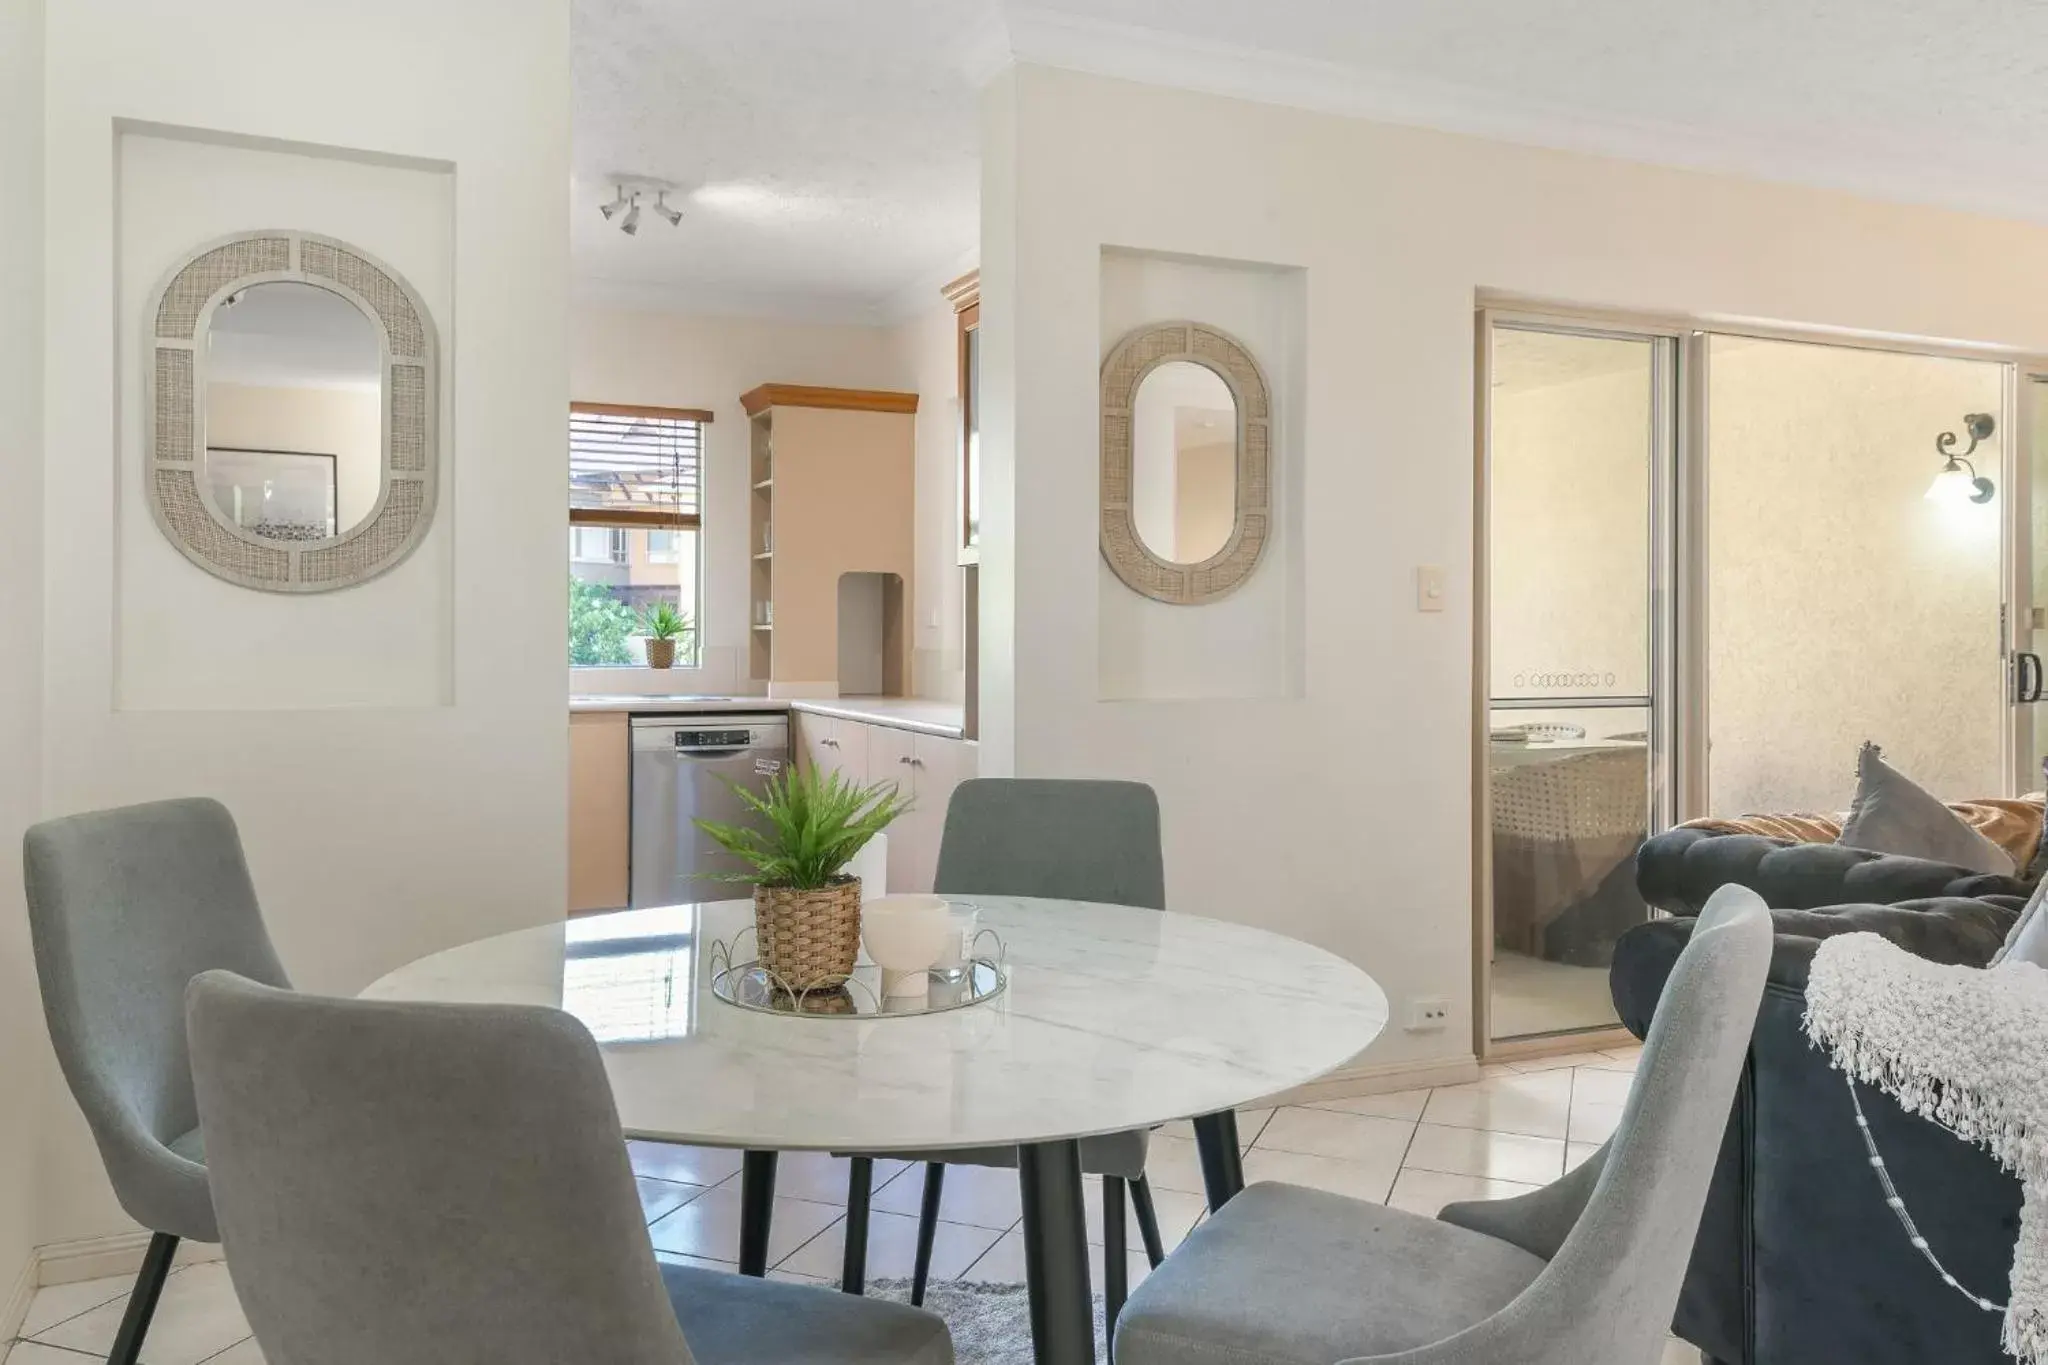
[1958,480]
[629,198]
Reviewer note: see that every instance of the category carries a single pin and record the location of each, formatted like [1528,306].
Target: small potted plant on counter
[806,905]
[664,627]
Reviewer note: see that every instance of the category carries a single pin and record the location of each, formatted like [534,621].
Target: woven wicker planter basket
[809,938]
[661,653]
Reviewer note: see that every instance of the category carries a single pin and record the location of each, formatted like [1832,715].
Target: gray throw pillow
[2028,941]
[1892,815]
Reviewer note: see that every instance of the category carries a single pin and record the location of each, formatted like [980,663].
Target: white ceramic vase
[906,936]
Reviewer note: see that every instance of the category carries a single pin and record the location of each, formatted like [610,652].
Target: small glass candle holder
[962,921]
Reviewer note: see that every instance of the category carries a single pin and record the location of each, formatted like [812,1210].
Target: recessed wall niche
[1247,644]
[187,640]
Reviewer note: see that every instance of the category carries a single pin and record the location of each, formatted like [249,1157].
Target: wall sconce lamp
[1959,480]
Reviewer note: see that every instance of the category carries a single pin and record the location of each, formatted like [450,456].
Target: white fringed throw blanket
[1966,1048]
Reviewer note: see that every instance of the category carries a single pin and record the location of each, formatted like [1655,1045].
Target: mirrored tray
[747,984]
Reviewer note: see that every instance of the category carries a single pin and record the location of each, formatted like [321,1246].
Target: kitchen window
[635,483]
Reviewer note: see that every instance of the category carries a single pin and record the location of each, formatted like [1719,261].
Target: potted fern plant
[806,906]
[664,627]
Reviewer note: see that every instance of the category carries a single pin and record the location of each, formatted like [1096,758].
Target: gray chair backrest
[125,907]
[1064,839]
[1607,1295]
[422,1184]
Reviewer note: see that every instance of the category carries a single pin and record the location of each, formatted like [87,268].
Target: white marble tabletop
[1115,1018]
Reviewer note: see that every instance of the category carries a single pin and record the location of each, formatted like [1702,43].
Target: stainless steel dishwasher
[684,769]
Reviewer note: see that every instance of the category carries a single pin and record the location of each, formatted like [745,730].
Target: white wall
[927,348]
[25,1068]
[668,360]
[1343,815]
[377,832]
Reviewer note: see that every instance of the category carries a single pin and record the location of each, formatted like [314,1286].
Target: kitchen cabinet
[926,768]
[600,818]
[831,745]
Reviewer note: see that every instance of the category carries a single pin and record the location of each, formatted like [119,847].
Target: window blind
[634,466]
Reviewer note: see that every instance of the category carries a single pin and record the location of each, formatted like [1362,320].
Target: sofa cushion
[1680,868]
[1893,814]
[2028,941]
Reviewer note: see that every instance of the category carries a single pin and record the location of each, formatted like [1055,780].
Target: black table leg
[853,1262]
[1056,1254]
[757,1210]
[1222,1162]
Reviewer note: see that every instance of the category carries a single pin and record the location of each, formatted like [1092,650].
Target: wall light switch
[1429,588]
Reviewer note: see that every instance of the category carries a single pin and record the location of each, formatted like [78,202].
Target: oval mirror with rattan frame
[1123,371]
[174,413]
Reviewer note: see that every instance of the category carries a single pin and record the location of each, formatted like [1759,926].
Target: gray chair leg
[860,1188]
[1148,1220]
[927,1228]
[1116,1268]
[149,1287]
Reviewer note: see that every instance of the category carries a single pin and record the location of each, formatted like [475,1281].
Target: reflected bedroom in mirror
[294,411]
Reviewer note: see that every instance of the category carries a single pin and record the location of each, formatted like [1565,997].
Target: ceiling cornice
[1878,169]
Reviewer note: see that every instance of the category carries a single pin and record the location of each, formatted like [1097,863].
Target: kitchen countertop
[921,714]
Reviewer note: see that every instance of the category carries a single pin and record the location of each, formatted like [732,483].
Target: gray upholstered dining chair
[1063,839]
[1585,1271]
[125,907]
[419,1184]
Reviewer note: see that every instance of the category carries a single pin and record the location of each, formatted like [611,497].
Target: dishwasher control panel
[714,739]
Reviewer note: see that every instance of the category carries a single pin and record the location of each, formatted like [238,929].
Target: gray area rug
[991,1323]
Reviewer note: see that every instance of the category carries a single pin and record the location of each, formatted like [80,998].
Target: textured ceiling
[1939,100]
[827,148]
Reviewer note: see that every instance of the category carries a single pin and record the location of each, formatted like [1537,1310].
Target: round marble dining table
[1113,1018]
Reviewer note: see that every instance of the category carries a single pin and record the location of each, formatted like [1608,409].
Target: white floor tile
[709,1226]
[821,1177]
[701,1262]
[1177,1210]
[1004,1264]
[1593,1086]
[1536,1103]
[1395,1104]
[1575,1153]
[197,1317]
[1357,1179]
[35,1353]
[1619,1059]
[815,1281]
[1593,1123]
[1426,1192]
[684,1165]
[1352,1137]
[982,1196]
[1529,1065]
[660,1198]
[1495,1156]
[1677,1352]
[1250,1122]
[1172,1163]
[244,1352]
[892,1249]
[54,1303]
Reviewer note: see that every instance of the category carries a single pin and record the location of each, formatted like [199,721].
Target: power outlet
[1425,1016]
